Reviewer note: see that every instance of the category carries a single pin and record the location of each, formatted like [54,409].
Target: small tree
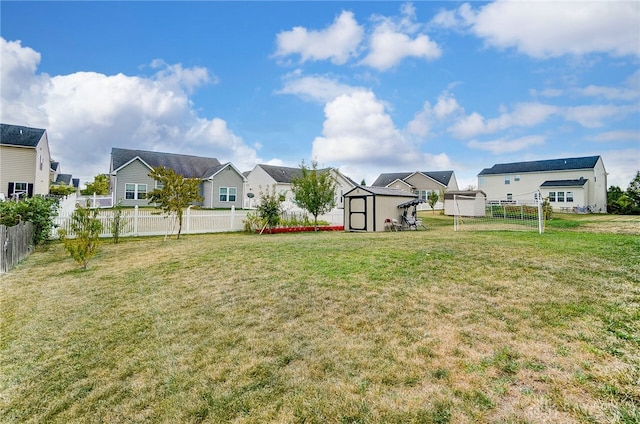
[314,191]
[87,228]
[270,207]
[117,223]
[99,186]
[433,199]
[175,192]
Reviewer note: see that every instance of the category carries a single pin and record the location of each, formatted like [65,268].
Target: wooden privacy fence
[16,243]
[151,222]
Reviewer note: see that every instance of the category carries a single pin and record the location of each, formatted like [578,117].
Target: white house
[566,182]
[25,161]
[263,177]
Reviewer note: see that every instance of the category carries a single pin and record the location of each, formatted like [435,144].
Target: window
[507,179]
[516,178]
[552,196]
[41,162]
[569,196]
[135,191]
[510,196]
[227,194]
[561,196]
[20,187]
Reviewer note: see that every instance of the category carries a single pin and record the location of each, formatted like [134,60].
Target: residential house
[221,185]
[25,161]
[566,182]
[263,177]
[421,183]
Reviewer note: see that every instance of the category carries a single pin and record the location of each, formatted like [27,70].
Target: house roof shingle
[186,165]
[565,183]
[16,135]
[564,164]
[443,177]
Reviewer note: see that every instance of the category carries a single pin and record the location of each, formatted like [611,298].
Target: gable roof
[383,191]
[16,135]
[442,177]
[185,165]
[63,179]
[282,174]
[565,183]
[211,172]
[564,164]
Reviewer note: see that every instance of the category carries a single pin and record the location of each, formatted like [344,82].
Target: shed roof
[564,164]
[565,183]
[186,165]
[16,135]
[443,177]
[383,191]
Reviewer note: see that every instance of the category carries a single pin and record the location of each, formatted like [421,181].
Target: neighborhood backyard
[429,326]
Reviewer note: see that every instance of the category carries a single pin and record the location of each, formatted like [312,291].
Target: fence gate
[16,243]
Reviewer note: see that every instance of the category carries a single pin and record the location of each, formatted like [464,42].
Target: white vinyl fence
[152,222]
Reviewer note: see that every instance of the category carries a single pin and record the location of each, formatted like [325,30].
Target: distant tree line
[625,202]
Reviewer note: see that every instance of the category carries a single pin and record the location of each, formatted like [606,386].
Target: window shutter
[10,191]
[29,190]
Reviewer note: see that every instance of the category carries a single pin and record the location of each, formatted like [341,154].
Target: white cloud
[189,78]
[614,136]
[392,41]
[624,164]
[507,146]
[428,116]
[523,115]
[315,88]
[88,113]
[592,116]
[338,42]
[545,29]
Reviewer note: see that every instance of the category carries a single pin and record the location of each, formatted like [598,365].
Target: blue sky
[368,87]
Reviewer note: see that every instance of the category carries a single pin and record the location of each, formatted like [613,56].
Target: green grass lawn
[427,327]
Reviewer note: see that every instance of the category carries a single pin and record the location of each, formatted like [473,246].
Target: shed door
[358,213]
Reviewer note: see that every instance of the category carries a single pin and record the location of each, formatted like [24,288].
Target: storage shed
[366,208]
[465,203]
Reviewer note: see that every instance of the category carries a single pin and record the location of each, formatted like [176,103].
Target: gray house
[221,184]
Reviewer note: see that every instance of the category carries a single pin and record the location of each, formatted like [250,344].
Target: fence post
[233,217]
[135,220]
[188,229]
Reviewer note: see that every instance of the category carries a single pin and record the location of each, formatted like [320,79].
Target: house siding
[594,191]
[22,164]
[134,173]
[227,177]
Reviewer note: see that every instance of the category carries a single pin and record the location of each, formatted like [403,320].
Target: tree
[99,186]
[363,182]
[61,189]
[87,227]
[613,195]
[270,207]
[314,191]
[175,192]
[38,210]
[117,223]
[433,199]
[633,192]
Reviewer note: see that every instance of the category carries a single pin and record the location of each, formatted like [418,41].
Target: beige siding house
[566,182]
[221,184]
[263,177]
[421,183]
[25,161]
